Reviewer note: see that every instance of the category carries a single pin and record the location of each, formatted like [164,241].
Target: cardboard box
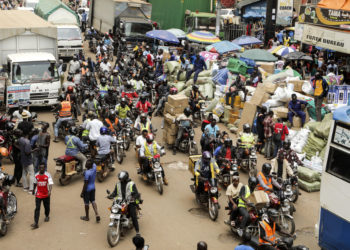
[258,96]
[169,119]
[259,197]
[171,139]
[178,100]
[248,115]
[282,112]
[269,67]
[168,108]
[192,162]
[298,85]
[270,87]
[296,122]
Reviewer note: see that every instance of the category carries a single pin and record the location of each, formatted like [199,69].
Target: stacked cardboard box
[173,108]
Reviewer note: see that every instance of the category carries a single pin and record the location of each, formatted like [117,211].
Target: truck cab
[32,79]
[135,29]
[69,40]
[201,21]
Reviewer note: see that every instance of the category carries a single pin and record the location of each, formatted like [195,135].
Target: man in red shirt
[144,106]
[42,191]
[282,129]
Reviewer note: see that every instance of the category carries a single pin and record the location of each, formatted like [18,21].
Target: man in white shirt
[232,193]
[105,65]
[18,114]
[140,140]
[94,129]
[74,65]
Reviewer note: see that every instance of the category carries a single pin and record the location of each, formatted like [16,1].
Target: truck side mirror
[64,67]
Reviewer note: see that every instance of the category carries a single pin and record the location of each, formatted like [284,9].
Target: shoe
[19,185]
[34,226]
[56,140]
[227,222]
[25,189]
[144,177]
[165,181]
[30,192]
[240,232]
[47,219]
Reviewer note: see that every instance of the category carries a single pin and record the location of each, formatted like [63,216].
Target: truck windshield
[68,34]
[135,29]
[205,23]
[30,72]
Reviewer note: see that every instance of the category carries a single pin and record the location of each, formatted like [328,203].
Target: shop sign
[327,38]
[284,12]
[325,17]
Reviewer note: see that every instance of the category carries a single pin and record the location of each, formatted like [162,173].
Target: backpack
[277,137]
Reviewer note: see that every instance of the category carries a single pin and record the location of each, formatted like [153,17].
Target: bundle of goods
[309,180]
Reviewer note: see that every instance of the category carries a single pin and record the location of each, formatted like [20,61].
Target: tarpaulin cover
[237,66]
[334,4]
[46,7]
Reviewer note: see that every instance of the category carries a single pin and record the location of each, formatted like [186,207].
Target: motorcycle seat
[101,157]
[67,158]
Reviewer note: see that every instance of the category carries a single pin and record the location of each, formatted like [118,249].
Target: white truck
[131,16]
[28,53]
[69,37]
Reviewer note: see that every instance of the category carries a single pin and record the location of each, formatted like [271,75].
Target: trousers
[28,170]
[300,114]
[46,202]
[245,217]
[58,124]
[196,73]
[318,107]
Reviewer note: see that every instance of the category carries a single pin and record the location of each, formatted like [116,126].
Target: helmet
[173,91]
[61,98]
[150,138]
[272,213]
[195,87]
[228,142]
[4,152]
[206,155]
[103,130]
[70,89]
[103,80]
[187,111]
[91,114]
[123,176]
[73,130]
[246,128]
[88,74]
[143,115]
[252,182]
[69,78]
[143,98]
[123,100]
[266,168]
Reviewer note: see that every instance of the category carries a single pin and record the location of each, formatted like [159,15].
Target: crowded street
[195,124]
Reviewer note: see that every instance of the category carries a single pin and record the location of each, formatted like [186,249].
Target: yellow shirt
[318,88]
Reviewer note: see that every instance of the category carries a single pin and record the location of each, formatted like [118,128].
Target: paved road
[170,221]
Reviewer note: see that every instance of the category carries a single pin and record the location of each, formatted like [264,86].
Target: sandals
[98,218]
[84,218]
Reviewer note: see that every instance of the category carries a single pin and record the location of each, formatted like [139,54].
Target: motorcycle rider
[129,92]
[126,189]
[103,88]
[75,146]
[288,154]
[185,121]
[232,193]
[64,113]
[144,106]
[244,194]
[69,82]
[72,97]
[104,141]
[206,167]
[163,92]
[112,122]
[122,109]
[74,65]
[148,150]
[140,140]
[266,182]
[115,79]
[211,132]
[144,123]
[195,95]
[91,104]
[105,65]
[247,140]
[227,152]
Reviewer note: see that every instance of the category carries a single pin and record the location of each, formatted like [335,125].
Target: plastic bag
[170,67]
[314,144]
[307,88]
[219,110]
[308,175]
[309,187]
[274,103]
[312,125]
[323,129]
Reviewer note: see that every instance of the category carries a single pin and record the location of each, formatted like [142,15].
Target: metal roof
[132,1]
[14,19]
[246,2]
[31,57]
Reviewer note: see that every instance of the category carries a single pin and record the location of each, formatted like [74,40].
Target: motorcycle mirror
[108,192]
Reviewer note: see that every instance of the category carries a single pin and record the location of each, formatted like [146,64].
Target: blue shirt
[199,64]
[211,131]
[280,37]
[74,145]
[33,141]
[243,247]
[297,105]
[90,176]
[83,17]
[104,144]
[217,150]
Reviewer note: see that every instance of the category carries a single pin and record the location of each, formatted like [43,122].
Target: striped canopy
[202,37]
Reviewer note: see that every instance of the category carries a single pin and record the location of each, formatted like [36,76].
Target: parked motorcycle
[155,175]
[187,143]
[249,160]
[209,196]
[8,202]
[227,169]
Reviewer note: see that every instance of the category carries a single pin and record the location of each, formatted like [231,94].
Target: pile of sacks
[309,180]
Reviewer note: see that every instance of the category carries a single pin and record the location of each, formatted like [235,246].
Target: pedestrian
[260,127]
[268,133]
[202,245]
[42,191]
[27,162]
[83,21]
[281,129]
[88,192]
[43,144]
[139,242]
[17,134]
[321,90]
[35,150]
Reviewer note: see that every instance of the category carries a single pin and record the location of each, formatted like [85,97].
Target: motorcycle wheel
[100,175]
[253,172]
[12,204]
[111,57]
[3,227]
[213,210]
[119,156]
[288,225]
[295,196]
[126,144]
[160,185]
[64,181]
[113,235]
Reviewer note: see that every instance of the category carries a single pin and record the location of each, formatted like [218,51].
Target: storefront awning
[243,3]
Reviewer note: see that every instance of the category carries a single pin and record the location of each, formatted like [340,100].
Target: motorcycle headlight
[192,134]
[214,190]
[156,165]
[120,138]
[115,209]
[286,202]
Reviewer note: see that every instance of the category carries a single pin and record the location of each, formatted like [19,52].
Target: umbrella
[246,40]
[209,56]
[202,37]
[178,33]
[297,55]
[163,35]
[223,47]
[284,51]
[221,77]
[259,55]
[274,49]
[291,72]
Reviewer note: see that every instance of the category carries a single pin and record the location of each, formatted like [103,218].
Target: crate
[192,162]
[70,167]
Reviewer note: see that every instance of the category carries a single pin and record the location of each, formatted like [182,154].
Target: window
[33,72]
[134,29]
[68,34]
[223,12]
[338,164]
